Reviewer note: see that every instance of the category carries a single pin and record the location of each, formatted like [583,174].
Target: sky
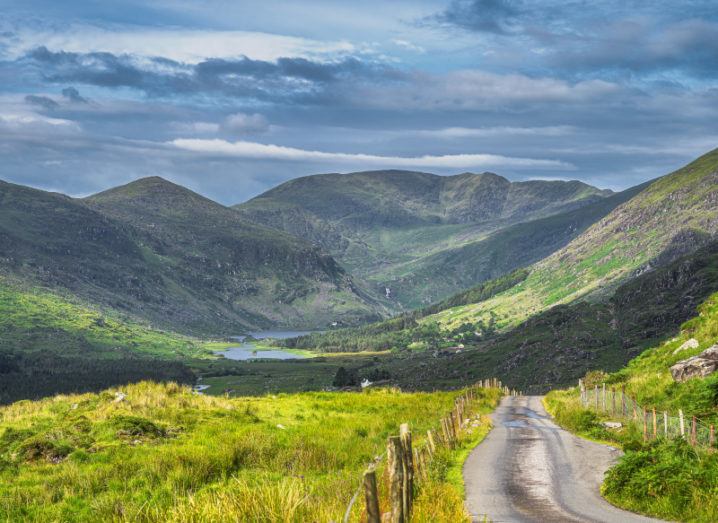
[231,98]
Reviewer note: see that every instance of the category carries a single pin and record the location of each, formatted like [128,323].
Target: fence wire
[651,422]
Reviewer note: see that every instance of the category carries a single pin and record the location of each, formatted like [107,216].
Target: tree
[345,378]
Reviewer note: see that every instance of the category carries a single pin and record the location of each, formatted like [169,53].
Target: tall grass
[665,478]
[164,453]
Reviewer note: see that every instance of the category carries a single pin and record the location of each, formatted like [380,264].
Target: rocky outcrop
[700,366]
[690,344]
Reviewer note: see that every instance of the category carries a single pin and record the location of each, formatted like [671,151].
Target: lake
[248,350]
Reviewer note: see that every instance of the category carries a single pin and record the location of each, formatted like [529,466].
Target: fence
[653,423]
[408,465]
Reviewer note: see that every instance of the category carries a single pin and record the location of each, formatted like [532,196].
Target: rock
[612,424]
[690,344]
[281,427]
[700,366]
[120,396]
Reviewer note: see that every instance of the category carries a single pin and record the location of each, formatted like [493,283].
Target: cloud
[490,16]
[479,90]
[285,79]
[32,123]
[643,45]
[42,101]
[242,124]
[196,127]
[73,95]
[409,46]
[300,82]
[189,46]
[481,132]
[244,149]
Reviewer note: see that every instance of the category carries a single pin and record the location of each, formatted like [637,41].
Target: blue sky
[231,98]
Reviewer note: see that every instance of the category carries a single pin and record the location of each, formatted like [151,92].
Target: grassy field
[665,478]
[163,453]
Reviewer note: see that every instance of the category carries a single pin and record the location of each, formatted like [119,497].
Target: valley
[447,261]
[205,320]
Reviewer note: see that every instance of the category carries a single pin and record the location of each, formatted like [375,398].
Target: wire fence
[651,422]
[408,464]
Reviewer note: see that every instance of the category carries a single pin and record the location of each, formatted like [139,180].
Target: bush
[135,426]
[668,478]
[345,378]
[44,447]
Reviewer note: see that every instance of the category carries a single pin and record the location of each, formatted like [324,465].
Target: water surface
[248,350]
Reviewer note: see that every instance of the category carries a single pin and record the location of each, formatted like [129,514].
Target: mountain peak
[152,190]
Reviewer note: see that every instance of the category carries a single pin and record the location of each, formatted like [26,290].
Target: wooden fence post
[633,404]
[408,461]
[645,426]
[372,497]
[432,444]
[694,436]
[604,397]
[655,424]
[623,400]
[613,400]
[596,398]
[394,455]
[665,423]
[682,422]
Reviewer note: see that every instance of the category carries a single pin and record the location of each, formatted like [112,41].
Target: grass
[36,320]
[674,210]
[664,478]
[441,496]
[164,453]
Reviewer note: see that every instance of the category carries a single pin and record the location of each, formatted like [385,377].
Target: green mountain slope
[158,252]
[51,344]
[630,279]
[382,225]
[673,216]
[452,269]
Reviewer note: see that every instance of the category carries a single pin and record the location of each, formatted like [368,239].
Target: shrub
[667,478]
[135,426]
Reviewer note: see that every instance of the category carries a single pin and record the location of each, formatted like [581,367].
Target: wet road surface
[528,469]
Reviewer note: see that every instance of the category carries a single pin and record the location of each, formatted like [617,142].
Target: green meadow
[159,452]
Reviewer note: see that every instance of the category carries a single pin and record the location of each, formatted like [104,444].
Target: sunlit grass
[164,453]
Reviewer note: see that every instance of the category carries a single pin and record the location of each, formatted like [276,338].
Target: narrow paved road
[528,469]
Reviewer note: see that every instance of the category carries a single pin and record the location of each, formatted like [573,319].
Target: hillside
[673,216]
[630,279]
[397,228]
[161,253]
[51,344]
[666,477]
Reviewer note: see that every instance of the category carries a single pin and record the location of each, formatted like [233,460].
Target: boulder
[690,344]
[612,424]
[700,366]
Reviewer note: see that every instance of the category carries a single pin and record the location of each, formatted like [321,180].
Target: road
[528,469]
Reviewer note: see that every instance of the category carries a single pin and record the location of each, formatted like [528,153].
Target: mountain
[631,278]
[161,253]
[388,226]
[671,217]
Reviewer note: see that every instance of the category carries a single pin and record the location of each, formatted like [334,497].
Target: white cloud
[409,46]
[478,132]
[182,45]
[32,121]
[243,124]
[474,89]
[244,149]
[196,127]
